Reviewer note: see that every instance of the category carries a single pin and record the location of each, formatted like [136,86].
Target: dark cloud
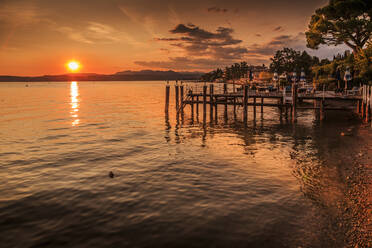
[217,10]
[258,35]
[198,42]
[277,43]
[277,29]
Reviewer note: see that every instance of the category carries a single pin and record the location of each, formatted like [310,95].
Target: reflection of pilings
[321,110]
[167,99]
[262,102]
[211,91]
[167,128]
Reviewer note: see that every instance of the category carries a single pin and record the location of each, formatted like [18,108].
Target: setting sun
[73,66]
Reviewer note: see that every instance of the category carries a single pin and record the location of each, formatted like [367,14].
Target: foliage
[289,60]
[341,21]
[233,72]
[359,64]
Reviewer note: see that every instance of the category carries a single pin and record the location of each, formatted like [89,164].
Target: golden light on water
[74,94]
[73,66]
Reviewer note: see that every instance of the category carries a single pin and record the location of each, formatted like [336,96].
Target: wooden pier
[286,102]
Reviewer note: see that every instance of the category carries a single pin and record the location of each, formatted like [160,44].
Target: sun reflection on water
[74,94]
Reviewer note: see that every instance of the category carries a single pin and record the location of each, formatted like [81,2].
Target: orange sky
[38,37]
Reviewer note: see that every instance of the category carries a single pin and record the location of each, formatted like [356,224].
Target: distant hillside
[145,75]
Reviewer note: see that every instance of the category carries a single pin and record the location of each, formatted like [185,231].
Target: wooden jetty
[285,101]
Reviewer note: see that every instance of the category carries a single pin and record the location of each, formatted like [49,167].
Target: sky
[38,37]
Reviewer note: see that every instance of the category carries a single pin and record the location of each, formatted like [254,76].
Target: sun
[73,66]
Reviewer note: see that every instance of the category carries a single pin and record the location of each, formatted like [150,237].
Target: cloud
[93,32]
[277,43]
[196,41]
[278,29]
[217,10]
[199,48]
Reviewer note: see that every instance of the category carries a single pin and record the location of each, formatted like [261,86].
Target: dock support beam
[245,104]
[176,88]
[204,103]
[254,108]
[192,105]
[211,91]
[181,97]
[167,99]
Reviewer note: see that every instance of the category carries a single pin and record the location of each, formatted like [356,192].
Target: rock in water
[111,174]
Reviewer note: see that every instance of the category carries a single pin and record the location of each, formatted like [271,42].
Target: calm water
[177,183]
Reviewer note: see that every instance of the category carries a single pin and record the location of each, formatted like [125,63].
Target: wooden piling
[254,108]
[167,99]
[225,92]
[262,107]
[197,106]
[181,97]
[211,100]
[245,104]
[192,105]
[204,102]
[215,112]
[176,88]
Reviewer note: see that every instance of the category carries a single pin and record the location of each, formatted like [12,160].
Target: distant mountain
[144,75]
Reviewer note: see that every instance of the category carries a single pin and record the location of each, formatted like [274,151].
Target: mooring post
[176,88]
[204,102]
[211,92]
[225,92]
[192,104]
[245,104]
[254,108]
[262,103]
[167,98]
[197,105]
[234,104]
[215,112]
[358,107]
[181,96]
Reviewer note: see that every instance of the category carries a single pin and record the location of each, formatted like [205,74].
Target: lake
[177,182]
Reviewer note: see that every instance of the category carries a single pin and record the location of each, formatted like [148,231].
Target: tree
[289,60]
[341,21]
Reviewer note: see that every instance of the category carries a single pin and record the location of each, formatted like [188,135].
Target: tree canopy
[289,60]
[341,21]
